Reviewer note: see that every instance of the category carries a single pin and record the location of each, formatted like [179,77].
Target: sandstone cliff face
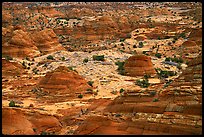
[63,82]
[139,65]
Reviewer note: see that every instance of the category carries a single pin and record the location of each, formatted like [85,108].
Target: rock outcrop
[46,41]
[63,83]
[21,122]
[139,65]
[11,68]
[20,45]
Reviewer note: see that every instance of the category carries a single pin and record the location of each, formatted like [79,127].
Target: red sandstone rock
[139,65]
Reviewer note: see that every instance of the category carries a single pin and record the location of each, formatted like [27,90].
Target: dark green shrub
[85,60]
[122,39]
[8,58]
[89,89]
[50,57]
[121,69]
[90,83]
[143,83]
[140,45]
[98,57]
[134,46]
[167,59]
[63,58]
[80,96]
[155,99]
[158,55]
[12,103]
[146,76]
[122,90]
[152,93]
[70,68]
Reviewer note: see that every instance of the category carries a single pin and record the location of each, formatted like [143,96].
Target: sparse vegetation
[50,57]
[164,73]
[141,45]
[158,55]
[90,83]
[143,83]
[121,69]
[63,58]
[122,90]
[7,57]
[85,60]
[155,100]
[98,57]
[12,104]
[80,96]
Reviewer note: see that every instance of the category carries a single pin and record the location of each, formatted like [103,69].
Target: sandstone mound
[20,122]
[190,47]
[20,45]
[139,65]
[46,41]
[14,123]
[11,68]
[63,82]
[196,35]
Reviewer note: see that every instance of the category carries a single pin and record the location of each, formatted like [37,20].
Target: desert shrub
[167,59]
[63,58]
[164,73]
[80,96]
[70,68]
[12,103]
[7,57]
[152,93]
[121,69]
[158,55]
[141,45]
[89,89]
[122,90]
[134,46]
[98,57]
[146,76]
[122,39]
[90,83]
[85,60]
[50,57]
[183,35]
[155,99]
[143,83]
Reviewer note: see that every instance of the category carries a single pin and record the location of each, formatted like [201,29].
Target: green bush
[85,60]
[122,39]
[122,90]
[155,99]
[50,57]
[152,93]
[141,45]
[168,59]
[80,96]
[63,58]
[164,73]
[12,103]
[143,83]
[158,55]
[70,68]
[90,83]
[146,76]
[120,69]
[98,57]
[8,58]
